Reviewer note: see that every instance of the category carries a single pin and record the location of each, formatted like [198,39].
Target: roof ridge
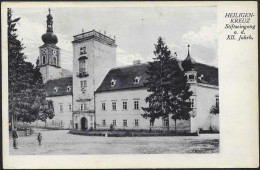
[127,66]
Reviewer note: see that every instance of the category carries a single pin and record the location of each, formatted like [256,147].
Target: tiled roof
[61,85]
[210,74]
[124,76]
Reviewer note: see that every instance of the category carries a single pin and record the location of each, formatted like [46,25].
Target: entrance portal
[84,123]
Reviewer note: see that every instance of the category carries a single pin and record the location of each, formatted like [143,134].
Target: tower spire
[49,37]
[49,11]
[188,50]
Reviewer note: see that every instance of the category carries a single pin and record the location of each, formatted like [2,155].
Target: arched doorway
[84,123]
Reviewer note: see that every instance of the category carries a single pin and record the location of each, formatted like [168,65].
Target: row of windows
[57,88]
[136,81]
[125,105]
[83,83]
[136,123]
[61,107]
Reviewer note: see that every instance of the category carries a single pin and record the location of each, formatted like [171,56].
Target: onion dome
[49,37]
[189,62]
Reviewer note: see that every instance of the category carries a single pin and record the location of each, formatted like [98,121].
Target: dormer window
[56,89]
[191,76]
[83,50]
[68,88]
[137,80]
[113,82]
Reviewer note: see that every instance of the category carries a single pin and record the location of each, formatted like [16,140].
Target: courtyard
[60,142]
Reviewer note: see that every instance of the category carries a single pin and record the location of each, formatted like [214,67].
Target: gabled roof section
[210,74]
[125,76]
[61,84]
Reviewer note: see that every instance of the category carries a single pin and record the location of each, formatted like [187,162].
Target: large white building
[97,93]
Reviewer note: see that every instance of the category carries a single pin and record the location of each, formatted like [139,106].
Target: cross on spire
[188,49]
[49,10]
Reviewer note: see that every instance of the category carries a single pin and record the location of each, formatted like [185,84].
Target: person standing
[39,138]
[15,136]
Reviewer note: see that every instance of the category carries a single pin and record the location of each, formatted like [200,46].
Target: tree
[27,98]
[169,97]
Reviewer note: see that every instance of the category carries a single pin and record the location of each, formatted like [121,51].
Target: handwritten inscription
[240,26]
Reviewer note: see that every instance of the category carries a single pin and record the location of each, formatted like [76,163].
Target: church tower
[49,60]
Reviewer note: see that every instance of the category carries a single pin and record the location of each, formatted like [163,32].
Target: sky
[136,30]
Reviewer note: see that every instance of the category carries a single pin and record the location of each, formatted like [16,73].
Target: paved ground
[56,142]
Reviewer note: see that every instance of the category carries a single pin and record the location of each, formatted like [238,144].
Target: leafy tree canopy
[27,97]
[168,87]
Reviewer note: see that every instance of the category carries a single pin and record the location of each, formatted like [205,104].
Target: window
[91,118]
[114,122]
[192,102]
[55,60]
[103,122]
[217,101]
[113,82]
[56,89]
[124,122]
[113,105]
[68,88]
[70,108]
[137,79]
[165,122]
[61,123]
[85,106]
[136,122]
[103,106]
[52,122]
[44,58]
[81,107]
[61,107]
[83,50]
[151,123]
[136,105]
[83,83]
[124,105]
[82,65]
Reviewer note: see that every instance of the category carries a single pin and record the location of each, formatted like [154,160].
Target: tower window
[82,65]
[151,123]
[44,58]
[83,50]
[70,108]
[55,60]
[83,83]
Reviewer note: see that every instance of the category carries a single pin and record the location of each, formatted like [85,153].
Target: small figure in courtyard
[15,136]
[39,138]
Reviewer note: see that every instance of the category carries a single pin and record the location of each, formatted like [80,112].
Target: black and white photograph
[119,80]
[93,81]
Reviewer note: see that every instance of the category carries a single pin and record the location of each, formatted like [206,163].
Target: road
[60,142]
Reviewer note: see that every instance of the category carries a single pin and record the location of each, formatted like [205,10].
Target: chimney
[136,62]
